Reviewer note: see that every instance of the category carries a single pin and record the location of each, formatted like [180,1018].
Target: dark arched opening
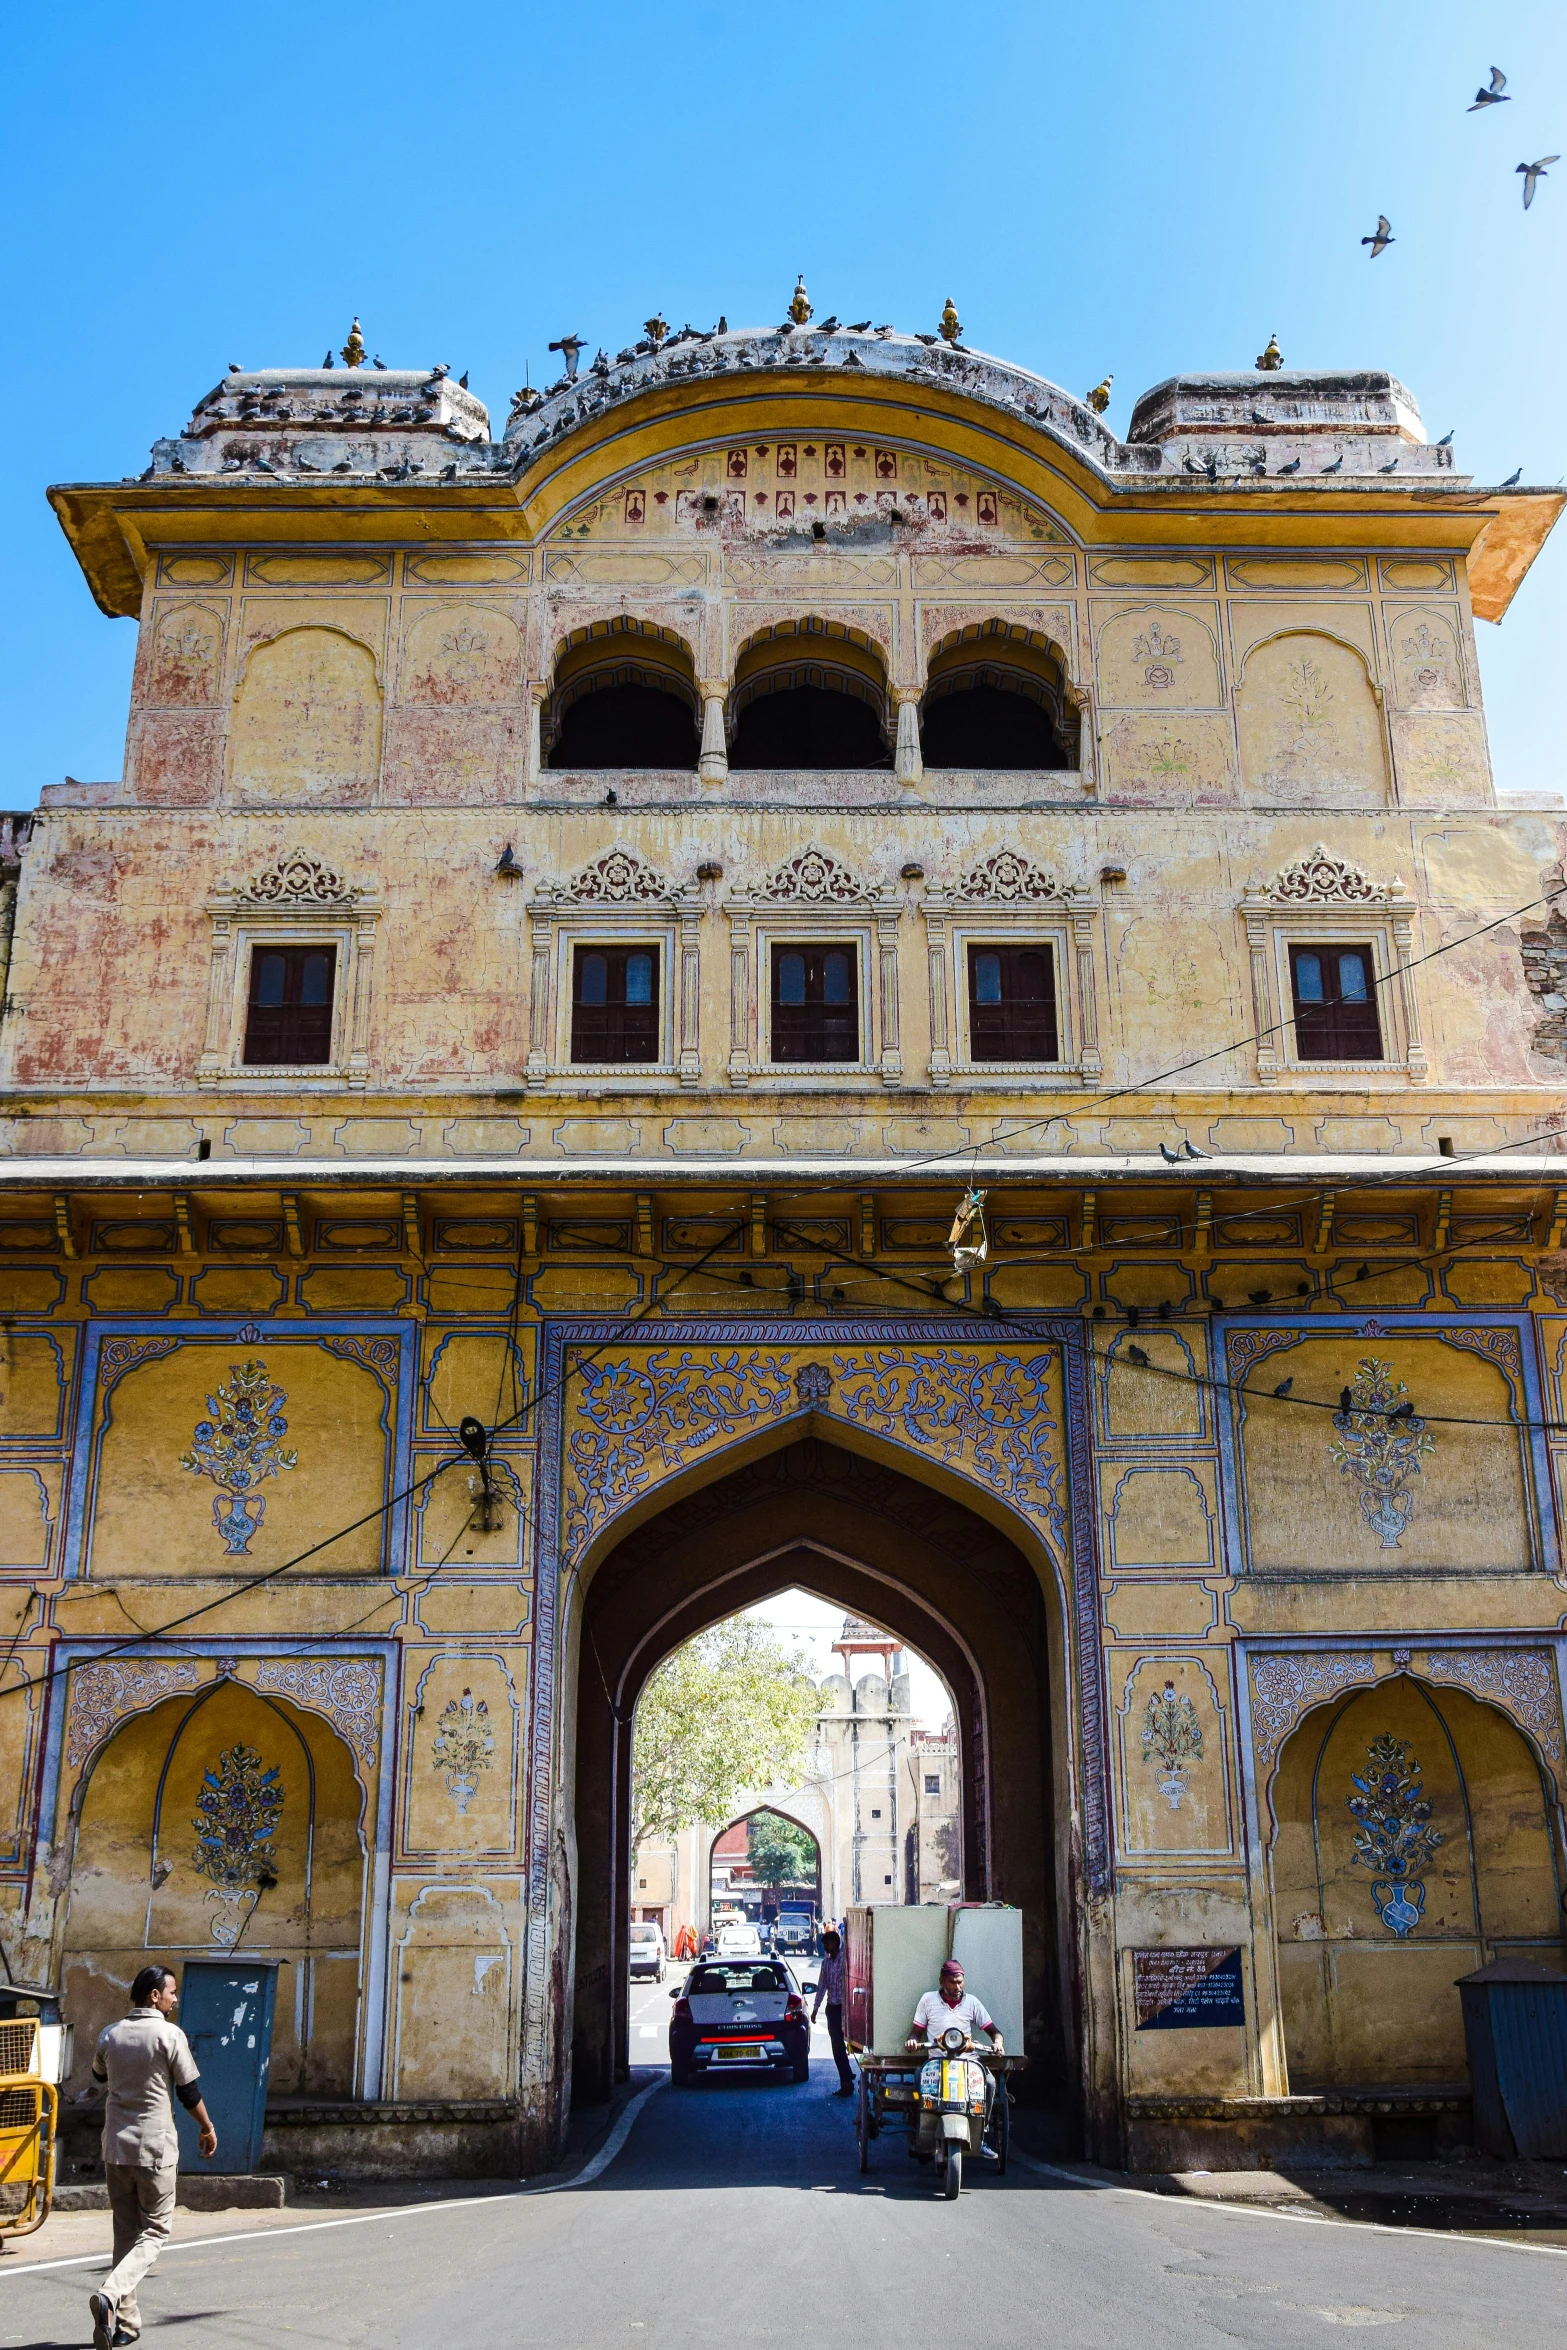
[808,726]
[996,697]
[627,725]
[989,724]
[898,1552]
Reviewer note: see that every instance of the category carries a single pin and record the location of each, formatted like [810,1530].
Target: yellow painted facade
[246,1304]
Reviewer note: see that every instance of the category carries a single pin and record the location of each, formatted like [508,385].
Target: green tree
[729,1711]
[782,1853]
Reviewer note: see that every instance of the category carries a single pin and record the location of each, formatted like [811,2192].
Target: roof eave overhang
[117,529]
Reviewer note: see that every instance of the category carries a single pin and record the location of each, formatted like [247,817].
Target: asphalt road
[734,2214]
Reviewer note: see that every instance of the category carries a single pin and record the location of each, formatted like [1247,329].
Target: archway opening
[927,1574]
[1416,1838]
[625,695]
[996,698]
[809,698]
[765,1870]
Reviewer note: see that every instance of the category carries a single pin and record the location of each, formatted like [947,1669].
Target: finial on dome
[1272,359]
[1099,397]
[800,303]
[354,348]
[951,326]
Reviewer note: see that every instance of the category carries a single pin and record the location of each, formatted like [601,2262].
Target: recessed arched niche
[1309,722]
[995,697]
[625,695]
[809,694]
[307,720]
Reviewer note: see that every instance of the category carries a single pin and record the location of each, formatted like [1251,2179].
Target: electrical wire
[816,1190]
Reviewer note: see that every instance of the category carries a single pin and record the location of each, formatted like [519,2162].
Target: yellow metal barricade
[29,2116]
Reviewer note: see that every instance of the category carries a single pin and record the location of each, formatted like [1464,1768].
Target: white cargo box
[988,1945]
[894,1955]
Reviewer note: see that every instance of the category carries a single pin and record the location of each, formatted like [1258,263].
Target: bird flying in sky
[1533,173]
[1383,238]
[1496,95]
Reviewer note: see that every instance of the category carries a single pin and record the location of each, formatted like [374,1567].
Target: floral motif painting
[1172,1741]
[237,1816]
[238,1446]
[1395,1836]
[1380,1445]
[463,1746]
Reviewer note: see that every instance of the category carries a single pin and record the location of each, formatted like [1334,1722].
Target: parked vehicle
[739,1941]
[647,1951]
[738,2013]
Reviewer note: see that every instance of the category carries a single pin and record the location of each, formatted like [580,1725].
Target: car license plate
[743,2052]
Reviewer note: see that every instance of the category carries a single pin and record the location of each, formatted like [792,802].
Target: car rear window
[644,1933]
[727,1980]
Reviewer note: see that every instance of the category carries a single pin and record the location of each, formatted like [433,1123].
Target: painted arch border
[1454,1327]
[94,1376]
[192,1658]
[1077,1575]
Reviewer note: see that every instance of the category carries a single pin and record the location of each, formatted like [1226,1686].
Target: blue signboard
[1187,1990]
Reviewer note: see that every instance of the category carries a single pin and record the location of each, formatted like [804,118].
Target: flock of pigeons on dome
[1494,93]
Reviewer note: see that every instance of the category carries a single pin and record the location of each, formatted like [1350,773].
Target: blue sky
[1127,186]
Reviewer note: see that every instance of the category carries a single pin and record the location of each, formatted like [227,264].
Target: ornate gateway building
[581,909]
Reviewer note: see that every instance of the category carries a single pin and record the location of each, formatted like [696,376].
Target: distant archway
[737,1865]
[880,1541]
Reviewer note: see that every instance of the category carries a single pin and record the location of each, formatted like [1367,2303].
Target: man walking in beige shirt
[147,2063]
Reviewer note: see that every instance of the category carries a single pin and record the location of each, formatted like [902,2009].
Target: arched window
[809,704]
[993,700]
[624,696]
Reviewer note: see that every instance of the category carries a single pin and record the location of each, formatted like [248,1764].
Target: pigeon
[1190,1148]
[378,361]
[829,326]
[1446,440]
[612,798]
[262,466]
[1190,465]
[1210,465]
[1337,465]
[1402,1411]
[448,473]
[1292,467]
[1135,1354]
[861,326]
[1513,479]
[1390,468]
[1532,174]
[927,339]
[1494,96]
[1258,417]
[1345,1401]
[1383,238]
[463,380]
[1171,1158]
[329,361]
[235,367]
[1284,1387]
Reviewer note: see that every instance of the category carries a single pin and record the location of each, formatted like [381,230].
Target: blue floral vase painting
[237,1447]
[1395,1836]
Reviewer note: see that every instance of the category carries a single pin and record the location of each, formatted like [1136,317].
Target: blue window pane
[1308,978]
[835,979]
[791,979]
[639,979]
[269,983]
[987,979]
[1352,978]
[315,984]
[595,980]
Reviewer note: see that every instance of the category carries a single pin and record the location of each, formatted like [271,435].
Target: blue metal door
[226,2013]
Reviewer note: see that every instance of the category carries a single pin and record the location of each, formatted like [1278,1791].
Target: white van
[648,1955]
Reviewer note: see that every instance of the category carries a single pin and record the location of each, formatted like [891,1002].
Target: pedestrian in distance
[147,2063]
[829,1989]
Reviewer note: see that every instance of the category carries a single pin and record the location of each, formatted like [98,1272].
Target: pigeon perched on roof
[1494,95]
[235,367]
[1533,173]
[861,326]
[1171,1158]
[1390,468]
[1513,479]
[1292,467]
[329,361]
[927,338]
[1190,1148]
[570,348]
[463,379]
[828,326]
[378,361]
[1383,238]
[1446,440]
[1337,465]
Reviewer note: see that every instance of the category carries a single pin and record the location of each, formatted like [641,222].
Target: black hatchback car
[736,2012]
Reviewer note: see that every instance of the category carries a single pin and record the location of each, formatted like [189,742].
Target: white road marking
[1308,2219]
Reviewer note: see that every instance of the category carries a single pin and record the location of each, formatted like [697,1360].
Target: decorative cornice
[618,878]
[1321,879]
[813,877]
[1009,878]
[299,879]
